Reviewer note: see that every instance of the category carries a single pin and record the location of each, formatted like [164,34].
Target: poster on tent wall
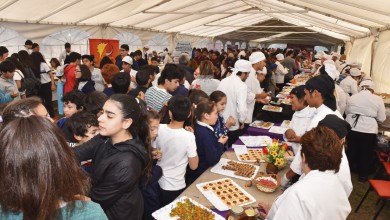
[100,48]
[181,47]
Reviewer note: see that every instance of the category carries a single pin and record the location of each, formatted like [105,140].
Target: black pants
[46,96]
[234,135]
[168,196]
[280,87]
[360,152]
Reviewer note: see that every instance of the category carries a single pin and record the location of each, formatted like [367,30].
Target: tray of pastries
[261,124]
[223,193]
[272,108]
[235,169]
[185,208]
[248,155]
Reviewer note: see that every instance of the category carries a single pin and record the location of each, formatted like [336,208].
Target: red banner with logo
[100,48]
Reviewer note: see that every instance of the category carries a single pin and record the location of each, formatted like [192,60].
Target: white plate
[272,108]
[285,124]
[216,201]
[277,130]
[256,141]
[217,168]
[163,213]
[260,124]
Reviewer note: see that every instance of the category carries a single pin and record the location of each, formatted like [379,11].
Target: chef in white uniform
[280,71]
[320,194]
[364,111]
[350,83]
[255,92]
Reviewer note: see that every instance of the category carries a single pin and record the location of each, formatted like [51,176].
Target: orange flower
[265,151]
[285,146]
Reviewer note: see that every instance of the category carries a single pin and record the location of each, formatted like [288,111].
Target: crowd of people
[132,137]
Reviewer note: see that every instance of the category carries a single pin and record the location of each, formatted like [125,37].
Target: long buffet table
[193,193]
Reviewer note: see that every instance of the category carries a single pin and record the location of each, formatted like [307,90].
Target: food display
[241,169]
[253,155]
[225,191]
[272,108]
[261,124]
[285,123]
[235,169]
[187,210]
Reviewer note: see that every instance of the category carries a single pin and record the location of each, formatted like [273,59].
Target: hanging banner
[181,47]
[100,48]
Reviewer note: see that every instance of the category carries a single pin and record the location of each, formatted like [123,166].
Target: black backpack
[30,83]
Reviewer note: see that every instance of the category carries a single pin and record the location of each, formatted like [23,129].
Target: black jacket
[115,174]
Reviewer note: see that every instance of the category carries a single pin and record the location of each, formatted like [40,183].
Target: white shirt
[371,109]
[299,123]
[254,88]
[45,76]
[349,85]
[344,173]
[320,113]
[133,73]
[280,72]
[176,145]
[62,56]
[236,93]
[318,196]
[341,99]
[207,85]
[337,64]
[168,59]
[98,79]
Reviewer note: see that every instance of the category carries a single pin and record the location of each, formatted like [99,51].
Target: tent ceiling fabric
[332,20]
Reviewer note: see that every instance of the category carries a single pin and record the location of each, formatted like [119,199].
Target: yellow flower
[279,162]
[273,153]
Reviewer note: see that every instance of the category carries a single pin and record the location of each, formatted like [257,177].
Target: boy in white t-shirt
[178,148]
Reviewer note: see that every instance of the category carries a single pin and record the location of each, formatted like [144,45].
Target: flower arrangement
[274,153]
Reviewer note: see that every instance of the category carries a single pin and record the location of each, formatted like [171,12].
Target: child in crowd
[149,186]
[83,126]
[178,148]
[119,158]
[121,83]
[84,80]
[143,81]
[209,147]
[181,89]
[94,101]
[73,102]
[220,127]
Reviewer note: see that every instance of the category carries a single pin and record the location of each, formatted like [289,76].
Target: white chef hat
[367,84]
[332,71]
[318,62]
[242,66]
[357,65]
[241,53]
[327,57]
[128,59]
[280,56]
[256,57]
[355,72]
[263,71]
[319,54]
[334,54]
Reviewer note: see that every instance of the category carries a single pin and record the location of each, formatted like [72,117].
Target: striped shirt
[156,98]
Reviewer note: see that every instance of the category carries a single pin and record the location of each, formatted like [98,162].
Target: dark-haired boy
[178,148]
[73,102]
[82,126]
[69,71]
[157,96]
[143,81]
[120,83]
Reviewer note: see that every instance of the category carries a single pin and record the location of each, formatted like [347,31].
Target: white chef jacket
[320,113]
[254,88]
[344,173]
[317,196]
[341,99]
[299,122]
[236,93]
[349,85]
[371,109]
[337,64]
[280,72]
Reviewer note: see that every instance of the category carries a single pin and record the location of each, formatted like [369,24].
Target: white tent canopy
[161,23]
